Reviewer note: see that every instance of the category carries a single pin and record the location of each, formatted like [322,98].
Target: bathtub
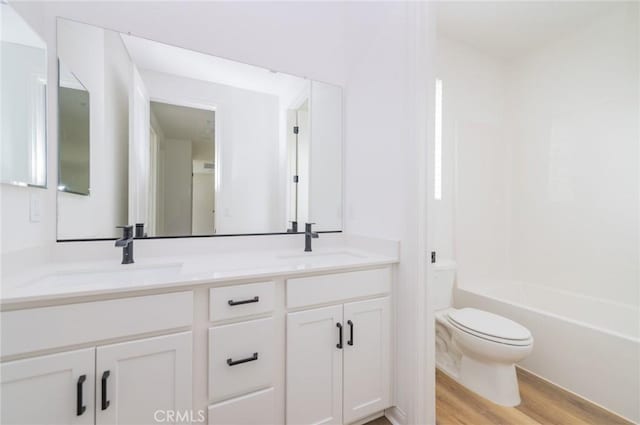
[586,345]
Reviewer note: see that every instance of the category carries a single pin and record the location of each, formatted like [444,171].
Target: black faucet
[140,231]
[126,242]
[294,227]
[308,235]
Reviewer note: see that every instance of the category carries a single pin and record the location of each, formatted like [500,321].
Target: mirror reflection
[73,134]
[181,143]
[181,170]
[23,72]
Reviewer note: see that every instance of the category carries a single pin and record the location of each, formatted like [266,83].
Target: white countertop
[52,282]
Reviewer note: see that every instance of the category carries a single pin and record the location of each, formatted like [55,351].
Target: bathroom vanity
[298,339]
[177,144]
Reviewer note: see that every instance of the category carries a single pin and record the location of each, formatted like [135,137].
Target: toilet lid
[489,324]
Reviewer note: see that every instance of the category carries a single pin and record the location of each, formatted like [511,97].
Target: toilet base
[494,381]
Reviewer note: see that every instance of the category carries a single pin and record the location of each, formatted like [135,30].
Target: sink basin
[124,274]
[322,256]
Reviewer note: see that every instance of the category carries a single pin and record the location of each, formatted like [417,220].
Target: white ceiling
[155,56]
[182,123]
[509,28]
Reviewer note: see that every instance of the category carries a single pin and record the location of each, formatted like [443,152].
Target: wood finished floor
[542,404]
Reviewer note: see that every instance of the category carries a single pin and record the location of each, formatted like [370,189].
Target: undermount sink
[322,256]
[123,274]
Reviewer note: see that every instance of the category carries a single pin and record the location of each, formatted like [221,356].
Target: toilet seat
[490,327]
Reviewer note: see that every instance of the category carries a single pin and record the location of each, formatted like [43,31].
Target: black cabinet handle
[105,402]
[339,345]
[232,362]
[80,407]
[249,301]
[350,323]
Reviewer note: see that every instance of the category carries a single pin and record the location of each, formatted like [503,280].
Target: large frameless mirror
[181,143]
[23,83]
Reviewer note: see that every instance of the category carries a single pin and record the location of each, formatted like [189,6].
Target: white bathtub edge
[576,394]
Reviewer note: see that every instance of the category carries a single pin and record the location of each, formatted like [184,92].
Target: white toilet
[477,348]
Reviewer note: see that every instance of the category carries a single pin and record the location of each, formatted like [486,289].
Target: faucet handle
[127,231]
[294,226]
[308,230]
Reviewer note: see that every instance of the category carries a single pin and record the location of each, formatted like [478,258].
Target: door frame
[294,106]
[216,143]
[422,44]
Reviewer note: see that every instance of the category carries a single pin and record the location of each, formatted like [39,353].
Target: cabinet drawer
[44,328]
[337,287]
[229,302]
[241,358]
[252,409]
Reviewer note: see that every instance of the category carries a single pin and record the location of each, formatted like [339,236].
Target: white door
[55,389]
[367,358]
[138,382]
[202,210]
[314,367]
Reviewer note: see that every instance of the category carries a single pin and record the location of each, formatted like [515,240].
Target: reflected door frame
[293,191]
[216,143]
[152,201]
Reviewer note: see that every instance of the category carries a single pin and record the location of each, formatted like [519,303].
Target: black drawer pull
[339,344]
[105,402]
[80,407]
[232,362]
[249,301]
[350,323]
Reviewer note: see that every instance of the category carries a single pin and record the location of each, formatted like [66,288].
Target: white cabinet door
[367,358]
[314,367]
[145,381]
[54,389]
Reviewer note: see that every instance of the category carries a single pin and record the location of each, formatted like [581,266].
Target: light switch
[35,207]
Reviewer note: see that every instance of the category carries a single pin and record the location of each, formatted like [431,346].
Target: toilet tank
[445,275]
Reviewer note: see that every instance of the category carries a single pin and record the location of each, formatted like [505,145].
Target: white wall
[247,136]
[384,155]
[576,164]
[474,210]
[546,159]
[101,63]
[325,184]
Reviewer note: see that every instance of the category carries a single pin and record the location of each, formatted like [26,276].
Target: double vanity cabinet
[303,348]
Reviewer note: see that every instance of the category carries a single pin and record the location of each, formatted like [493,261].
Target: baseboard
[396,416]
[368,418]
